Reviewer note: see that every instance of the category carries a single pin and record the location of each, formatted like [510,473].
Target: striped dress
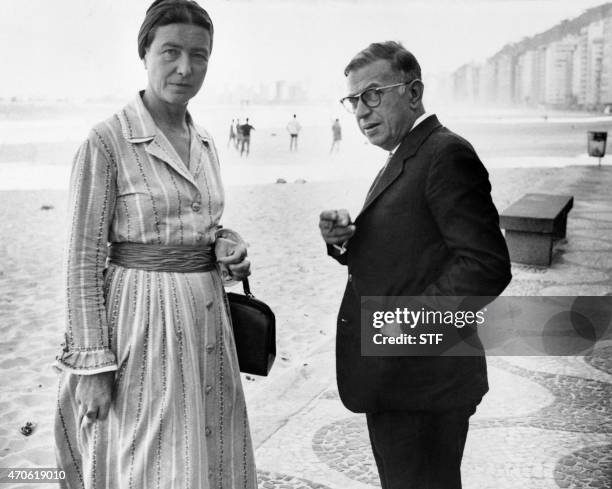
[178,417]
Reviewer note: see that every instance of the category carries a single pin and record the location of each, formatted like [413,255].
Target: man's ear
[415,93]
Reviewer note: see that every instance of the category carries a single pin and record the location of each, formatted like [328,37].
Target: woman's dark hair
[402,60]
[164,12]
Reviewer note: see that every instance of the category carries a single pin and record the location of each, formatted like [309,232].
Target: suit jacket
[428,227]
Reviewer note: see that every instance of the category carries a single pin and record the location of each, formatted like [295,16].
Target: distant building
[606,69]
[504,79]
[540,78]
[558,68]
[594,64]
[569,65]
[526,87]
[466,84]
[579,73]
[488,82]
[282,91]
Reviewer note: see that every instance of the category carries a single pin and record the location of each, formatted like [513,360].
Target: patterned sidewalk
[546,422]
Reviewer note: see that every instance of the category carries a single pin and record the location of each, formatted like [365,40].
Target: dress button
[208,431]
[350,277]
[196,206]
[208,389]
[210,347]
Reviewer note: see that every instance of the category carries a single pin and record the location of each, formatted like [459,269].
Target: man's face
[386,125]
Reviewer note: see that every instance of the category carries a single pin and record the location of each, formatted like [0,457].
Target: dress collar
[138,126]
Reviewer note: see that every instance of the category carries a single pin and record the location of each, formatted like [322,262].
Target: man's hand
[336,226]
[233,256]
[94,395]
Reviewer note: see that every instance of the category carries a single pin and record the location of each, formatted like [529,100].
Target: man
[232,134]
[428,227]
[238,134]
[293,127]
[245,139]
[336,136]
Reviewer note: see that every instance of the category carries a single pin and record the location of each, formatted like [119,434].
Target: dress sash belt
[163,258]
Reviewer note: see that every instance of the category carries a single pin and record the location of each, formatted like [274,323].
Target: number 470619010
[14,474]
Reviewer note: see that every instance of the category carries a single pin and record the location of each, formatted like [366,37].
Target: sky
[87,48]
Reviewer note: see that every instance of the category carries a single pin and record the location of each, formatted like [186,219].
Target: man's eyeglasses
[371,97]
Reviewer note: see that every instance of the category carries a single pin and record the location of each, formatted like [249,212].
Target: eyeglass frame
[379,92]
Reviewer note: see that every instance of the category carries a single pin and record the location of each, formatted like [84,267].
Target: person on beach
[293,128]
[238,134]
[428,228]
[336,136]
[245,142]
[150,392]
[232,135]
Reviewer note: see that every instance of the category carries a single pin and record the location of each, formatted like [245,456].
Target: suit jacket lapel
[409,146]
[391,171]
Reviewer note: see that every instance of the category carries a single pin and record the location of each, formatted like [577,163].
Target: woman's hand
[94,395]
[233,256]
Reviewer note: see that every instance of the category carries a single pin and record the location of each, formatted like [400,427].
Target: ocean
[38,140]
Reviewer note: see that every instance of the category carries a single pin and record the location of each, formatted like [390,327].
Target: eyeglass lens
[371,98]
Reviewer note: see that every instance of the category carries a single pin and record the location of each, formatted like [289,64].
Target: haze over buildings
[567,66]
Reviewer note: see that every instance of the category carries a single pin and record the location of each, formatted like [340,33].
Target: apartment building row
[569,66]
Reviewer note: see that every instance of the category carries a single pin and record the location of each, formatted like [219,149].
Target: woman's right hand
[94,395]
[232,255]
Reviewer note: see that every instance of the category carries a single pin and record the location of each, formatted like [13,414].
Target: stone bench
[532,223]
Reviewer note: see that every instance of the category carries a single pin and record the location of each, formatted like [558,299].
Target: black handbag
[254,327]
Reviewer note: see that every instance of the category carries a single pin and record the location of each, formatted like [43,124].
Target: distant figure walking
[293,127]
[237,131]
[245,142]
[238,134]
[336,136]
[232,134]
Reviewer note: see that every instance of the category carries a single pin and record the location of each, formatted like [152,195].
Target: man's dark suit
[428,227]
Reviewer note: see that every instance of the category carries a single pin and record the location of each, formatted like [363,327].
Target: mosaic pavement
[535,429]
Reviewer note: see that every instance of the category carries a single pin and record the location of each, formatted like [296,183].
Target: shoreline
[37,177]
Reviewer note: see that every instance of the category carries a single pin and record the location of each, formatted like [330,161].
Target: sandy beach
[290,271]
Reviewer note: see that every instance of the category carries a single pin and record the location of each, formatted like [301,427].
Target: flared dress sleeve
[86,349]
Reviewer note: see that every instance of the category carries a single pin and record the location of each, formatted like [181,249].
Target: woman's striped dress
[178,417]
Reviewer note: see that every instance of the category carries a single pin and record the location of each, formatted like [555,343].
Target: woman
[150,394]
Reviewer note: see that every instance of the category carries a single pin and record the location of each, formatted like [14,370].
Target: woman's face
[176,62]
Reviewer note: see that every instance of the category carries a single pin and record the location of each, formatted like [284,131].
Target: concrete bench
[532,223]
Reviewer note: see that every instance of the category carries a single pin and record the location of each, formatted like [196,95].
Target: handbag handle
[247,288]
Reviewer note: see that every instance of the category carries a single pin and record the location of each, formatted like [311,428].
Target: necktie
[377,179]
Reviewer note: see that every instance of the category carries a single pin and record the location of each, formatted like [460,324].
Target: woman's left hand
[233,256]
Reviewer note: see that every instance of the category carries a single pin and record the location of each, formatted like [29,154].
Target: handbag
[254,327]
